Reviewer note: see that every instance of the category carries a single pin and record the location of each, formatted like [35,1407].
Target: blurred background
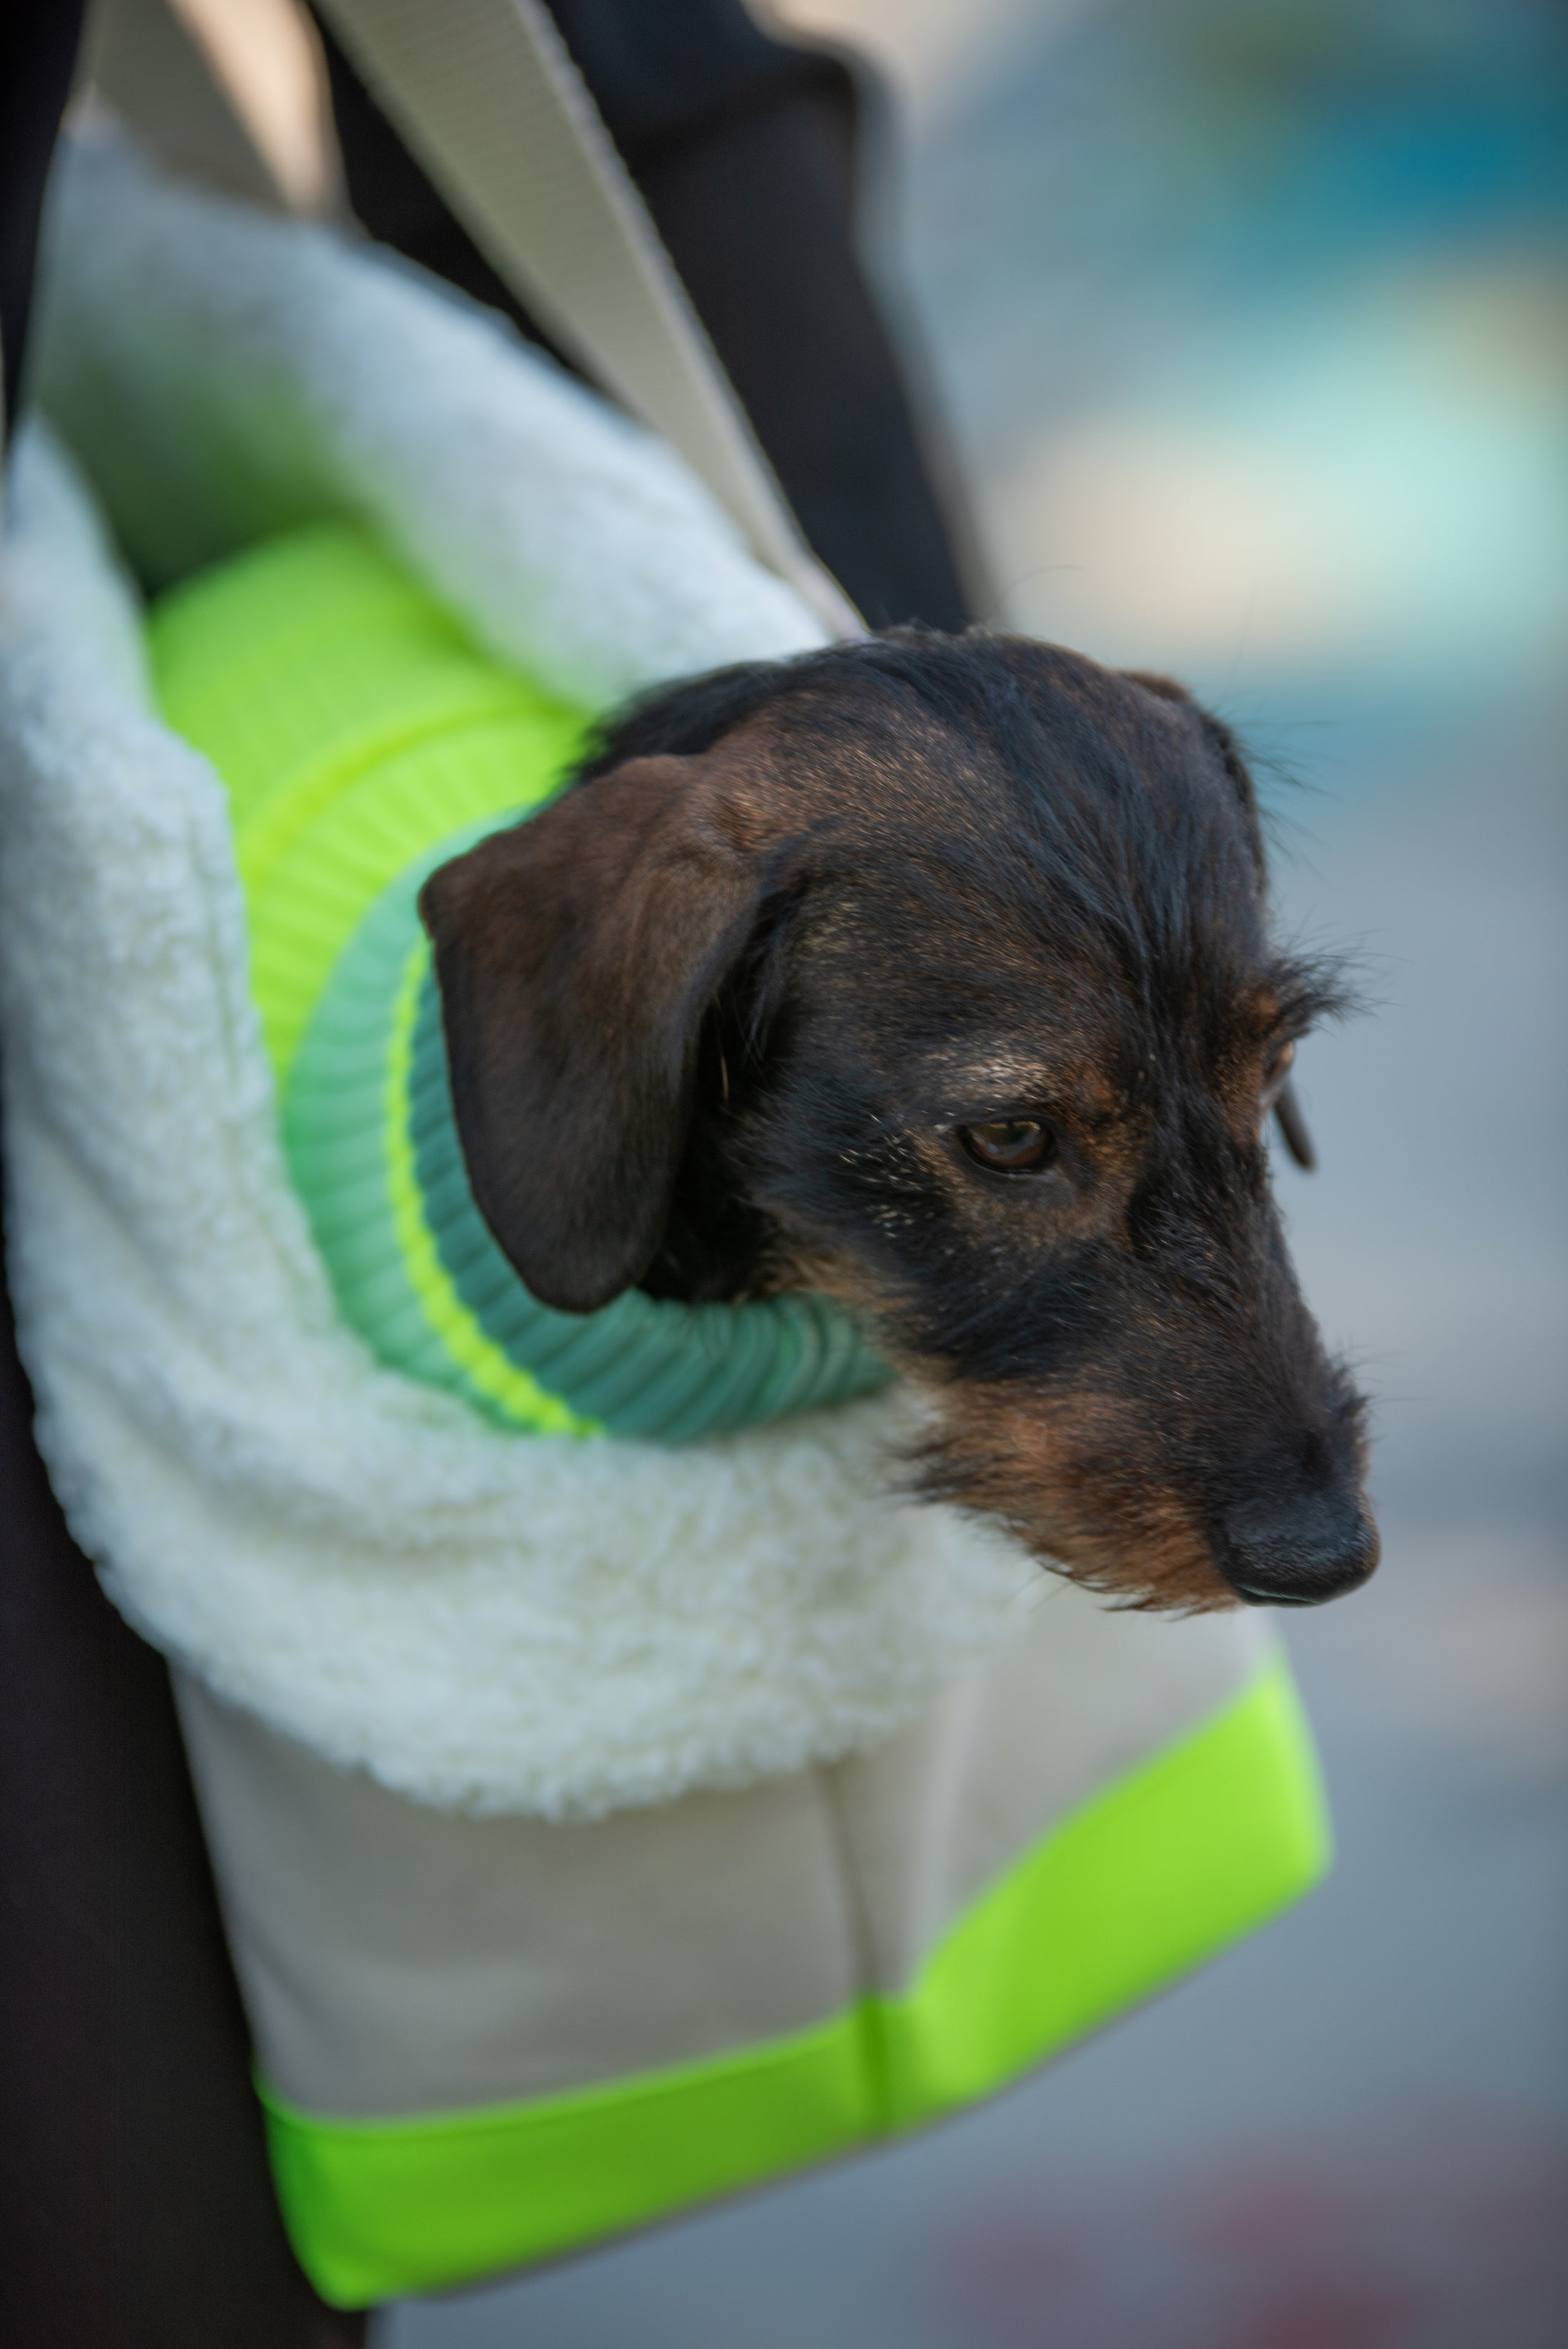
[1249,321]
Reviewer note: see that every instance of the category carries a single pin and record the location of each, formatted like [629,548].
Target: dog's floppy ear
[576,955]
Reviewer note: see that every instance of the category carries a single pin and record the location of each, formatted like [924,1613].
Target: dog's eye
[1276,1069]
[1015,1145]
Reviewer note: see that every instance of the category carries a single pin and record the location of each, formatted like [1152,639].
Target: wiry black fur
[973,851]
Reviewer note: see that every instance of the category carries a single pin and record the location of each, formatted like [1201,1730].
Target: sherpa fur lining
[484,1622]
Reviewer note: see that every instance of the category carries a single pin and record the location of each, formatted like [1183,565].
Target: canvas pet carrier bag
[618,1793]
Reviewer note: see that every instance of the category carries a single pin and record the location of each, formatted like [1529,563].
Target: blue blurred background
[1250,318]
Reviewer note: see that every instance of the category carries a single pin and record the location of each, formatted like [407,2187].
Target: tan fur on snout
[1066,1472]
[1062,1472]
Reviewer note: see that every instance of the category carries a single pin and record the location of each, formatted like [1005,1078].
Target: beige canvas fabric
[397,1961]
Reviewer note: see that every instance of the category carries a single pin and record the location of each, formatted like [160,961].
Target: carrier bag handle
[488,99]
[486,96]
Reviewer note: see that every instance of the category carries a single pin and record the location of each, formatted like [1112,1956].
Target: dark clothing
[745,152]
[38,57]
[136,2211]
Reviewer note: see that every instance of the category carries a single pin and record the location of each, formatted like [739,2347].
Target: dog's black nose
[1275,1553]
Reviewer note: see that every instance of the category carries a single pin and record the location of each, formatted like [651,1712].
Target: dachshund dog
[933,973]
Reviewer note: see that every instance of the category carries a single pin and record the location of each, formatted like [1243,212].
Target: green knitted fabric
[364,740]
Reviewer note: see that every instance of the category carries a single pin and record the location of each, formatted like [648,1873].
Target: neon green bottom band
[1162,1870]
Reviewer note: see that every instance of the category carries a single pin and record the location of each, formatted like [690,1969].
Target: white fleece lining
[482,1621]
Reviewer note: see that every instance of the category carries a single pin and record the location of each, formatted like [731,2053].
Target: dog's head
[933,973]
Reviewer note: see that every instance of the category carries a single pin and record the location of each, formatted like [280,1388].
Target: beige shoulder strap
[488,99]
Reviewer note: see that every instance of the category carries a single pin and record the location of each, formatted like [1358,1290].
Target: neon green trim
[1165,1867]
[1183,1855]
[378,2208]
[353,723]
[320,888]
[515,1389]
[292,809]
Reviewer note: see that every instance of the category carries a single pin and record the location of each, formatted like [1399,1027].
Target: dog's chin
[1168,1567]
[1150,1570]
